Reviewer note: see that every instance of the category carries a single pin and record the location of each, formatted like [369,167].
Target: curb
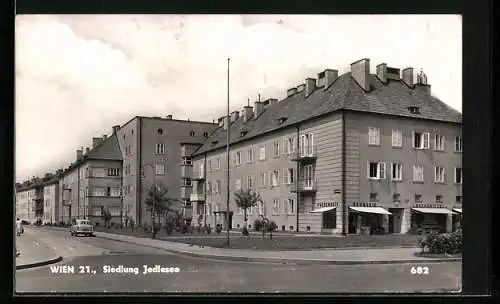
[38,264]
[290,261]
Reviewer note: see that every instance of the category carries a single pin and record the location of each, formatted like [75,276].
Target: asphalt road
[205,275]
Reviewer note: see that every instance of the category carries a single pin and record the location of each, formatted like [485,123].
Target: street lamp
[154,199]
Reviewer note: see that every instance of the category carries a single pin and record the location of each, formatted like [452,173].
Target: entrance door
[353,218]
[391,221]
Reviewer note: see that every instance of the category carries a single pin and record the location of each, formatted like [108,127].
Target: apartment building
[93,182]
[26,196]
[340,154]
[51,200]
[151,152]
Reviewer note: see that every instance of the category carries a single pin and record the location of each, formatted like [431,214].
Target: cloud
[77,75]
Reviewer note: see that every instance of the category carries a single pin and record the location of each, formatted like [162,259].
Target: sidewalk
[331,256]
[33,253]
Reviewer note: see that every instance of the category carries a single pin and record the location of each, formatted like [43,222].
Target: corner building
[355,153]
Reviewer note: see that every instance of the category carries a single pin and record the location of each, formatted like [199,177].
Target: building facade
[341,154]
[25,203]
[151,152]
[51,201]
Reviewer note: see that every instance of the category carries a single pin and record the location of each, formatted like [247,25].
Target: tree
[38,208]
[246,199]
[106,216]
[163,204]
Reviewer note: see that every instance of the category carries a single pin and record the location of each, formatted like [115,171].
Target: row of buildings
[339,154]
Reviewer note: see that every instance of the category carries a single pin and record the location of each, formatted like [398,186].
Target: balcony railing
[304,185]
[308,153]
[198,176]
[197,197]
[186,192]
[186,172]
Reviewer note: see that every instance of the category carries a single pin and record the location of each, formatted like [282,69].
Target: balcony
[198,176]
[306,154]
[186,172]
[186,192]
[197,197]
[304,186]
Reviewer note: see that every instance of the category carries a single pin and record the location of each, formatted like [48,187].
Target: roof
[109,149]
[391,98]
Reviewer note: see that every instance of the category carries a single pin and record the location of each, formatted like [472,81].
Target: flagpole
[227,150]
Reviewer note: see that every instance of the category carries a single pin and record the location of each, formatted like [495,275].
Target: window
[438,142]
[262,180]
[285,206]
[205,134]
[288,176]
[237,159]
[262,155]
[160,149]
[275,178]
[114,191]
[418,173]
[396,197]
[458,199]
[250,155]
[439,199]
[418,198]
[217,163]
[307,145]
[217,187]
[98,191]
[276,148]
[397,172]
[192,133]
[209,165]
[291,206]
[397,138]
[160,169]
[113,172]
[291,144]
[276,207]
[458,175]
[98,172]
[458,144]
[260,205]
[373,197]
[240,210]
[438,174]
[187,182]
[187,161]
[421,140]
[238,184]
[373,136]
[376,170]
[249,182]
[159,131]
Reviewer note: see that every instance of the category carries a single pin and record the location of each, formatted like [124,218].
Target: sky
[78,75]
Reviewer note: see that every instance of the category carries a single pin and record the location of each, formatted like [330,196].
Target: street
[206,275]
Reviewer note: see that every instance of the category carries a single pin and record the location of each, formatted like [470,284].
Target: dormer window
[243,132]
[214,142]
[281,120]
[414,110]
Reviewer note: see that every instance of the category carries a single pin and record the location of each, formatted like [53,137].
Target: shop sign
[327,204]
[363,204]
[428,206]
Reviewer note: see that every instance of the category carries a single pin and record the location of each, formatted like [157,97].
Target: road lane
[205,275]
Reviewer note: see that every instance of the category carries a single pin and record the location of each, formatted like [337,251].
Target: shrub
[445,243]
[208,229]
[271,227]
[245,231]
[146,229]
[186,228]
[257,224]
[218,228]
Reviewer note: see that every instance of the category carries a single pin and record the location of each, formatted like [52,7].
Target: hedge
[445,243]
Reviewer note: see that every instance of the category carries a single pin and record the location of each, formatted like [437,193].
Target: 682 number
[419,270]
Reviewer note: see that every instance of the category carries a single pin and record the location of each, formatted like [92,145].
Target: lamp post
[228,126]
[154,199]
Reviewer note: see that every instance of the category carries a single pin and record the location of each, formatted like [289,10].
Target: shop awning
[433,210]
[376,210]
[459,210]
[323,209]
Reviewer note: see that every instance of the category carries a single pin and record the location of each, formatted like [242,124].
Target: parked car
[81,227]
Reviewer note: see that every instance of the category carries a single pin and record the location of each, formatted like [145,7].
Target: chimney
[247,113]
[300,88]
[234,116]
[79,154]
[115,129]
[291,91]
[310,86]
[408,77]
[225,122]
[382,72]
[393,73]
[421,84]
[221,121]
[330,77]
[272,101]
[168,117]
[104,137]
[360,71]
[96,141]
[87,150]
[258,109]
[321,79]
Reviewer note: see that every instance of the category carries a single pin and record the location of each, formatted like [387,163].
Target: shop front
[328,213]
[368,220]
[427,220]
[457,219]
